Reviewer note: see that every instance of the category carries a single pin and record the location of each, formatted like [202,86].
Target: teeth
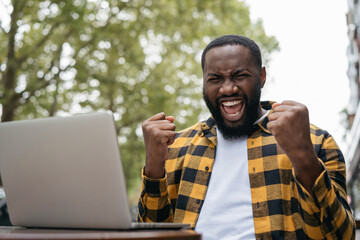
[233,114]
[231,103]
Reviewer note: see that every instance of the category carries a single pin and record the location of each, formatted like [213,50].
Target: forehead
[231,55]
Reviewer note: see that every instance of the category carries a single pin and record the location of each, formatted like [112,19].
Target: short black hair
[234,40]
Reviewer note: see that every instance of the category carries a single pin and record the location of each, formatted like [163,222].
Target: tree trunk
[9,78]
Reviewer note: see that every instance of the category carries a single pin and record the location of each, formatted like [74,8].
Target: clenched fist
[159,132]
[289,123]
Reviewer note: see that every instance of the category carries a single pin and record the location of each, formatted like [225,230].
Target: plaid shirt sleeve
[154,204]
[327,203]
[160,198]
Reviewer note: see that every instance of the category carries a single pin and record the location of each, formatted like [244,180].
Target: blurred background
[140,57]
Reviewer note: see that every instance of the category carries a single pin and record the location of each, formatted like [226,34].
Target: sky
[311,65]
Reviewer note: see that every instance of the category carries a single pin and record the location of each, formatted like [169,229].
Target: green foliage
[133,57]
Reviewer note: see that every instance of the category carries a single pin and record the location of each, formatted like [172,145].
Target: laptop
[66,172]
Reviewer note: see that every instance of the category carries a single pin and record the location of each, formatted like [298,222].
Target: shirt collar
[208,129]
[262,124]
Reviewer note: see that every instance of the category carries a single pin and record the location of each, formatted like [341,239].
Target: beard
[251,114]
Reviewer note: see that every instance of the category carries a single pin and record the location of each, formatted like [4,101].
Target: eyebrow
[239,71]
[213,75]
[233,74]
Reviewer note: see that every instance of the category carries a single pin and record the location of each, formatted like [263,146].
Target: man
[251,171]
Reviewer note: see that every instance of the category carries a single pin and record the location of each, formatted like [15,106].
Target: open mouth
[232,109]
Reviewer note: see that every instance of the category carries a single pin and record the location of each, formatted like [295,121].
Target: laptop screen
[64,172]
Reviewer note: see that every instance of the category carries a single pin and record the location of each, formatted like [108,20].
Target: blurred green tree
[133,57]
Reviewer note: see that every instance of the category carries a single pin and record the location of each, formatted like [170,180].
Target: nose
[228,88]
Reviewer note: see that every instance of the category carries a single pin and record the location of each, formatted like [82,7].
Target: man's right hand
[159,132]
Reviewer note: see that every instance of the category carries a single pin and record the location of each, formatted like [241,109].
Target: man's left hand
[289,123]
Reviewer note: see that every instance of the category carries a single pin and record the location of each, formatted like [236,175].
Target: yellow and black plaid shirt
[282,207]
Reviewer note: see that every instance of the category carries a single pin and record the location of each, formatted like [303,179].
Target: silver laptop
[66,172]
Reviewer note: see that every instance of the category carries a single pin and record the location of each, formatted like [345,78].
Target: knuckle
[148,128]
[156,132]
[305,109]
[301,110]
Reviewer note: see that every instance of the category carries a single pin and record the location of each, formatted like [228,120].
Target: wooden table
[61,234]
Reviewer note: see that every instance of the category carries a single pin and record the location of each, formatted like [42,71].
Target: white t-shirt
[227,209]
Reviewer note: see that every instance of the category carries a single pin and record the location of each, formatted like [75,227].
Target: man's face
[232,88]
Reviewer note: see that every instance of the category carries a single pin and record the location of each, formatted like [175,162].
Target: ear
[263,76]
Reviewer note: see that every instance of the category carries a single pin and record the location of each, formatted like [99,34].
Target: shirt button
[197,201]
[206,168]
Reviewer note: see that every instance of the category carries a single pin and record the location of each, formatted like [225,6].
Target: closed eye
[241,75]
[214,78]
